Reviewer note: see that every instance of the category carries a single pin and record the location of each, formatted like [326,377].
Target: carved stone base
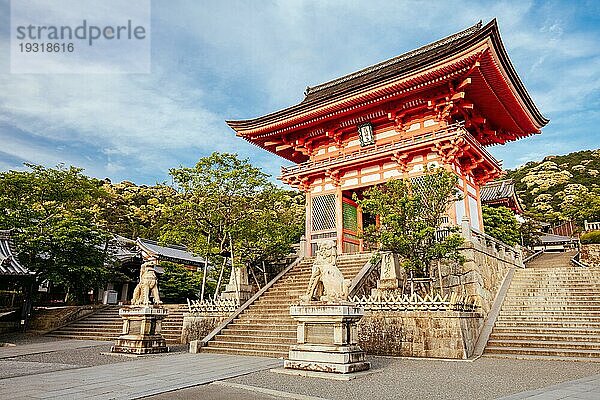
[327,339]
[141,330]
[242,295]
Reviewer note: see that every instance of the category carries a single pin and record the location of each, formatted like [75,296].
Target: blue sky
[217,60]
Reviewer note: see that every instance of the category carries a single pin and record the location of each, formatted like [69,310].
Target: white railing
[591,226]
[212,306]
[414,302]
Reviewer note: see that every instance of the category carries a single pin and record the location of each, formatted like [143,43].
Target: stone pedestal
[391,275]
[327,340]
[141,330]
[238,287]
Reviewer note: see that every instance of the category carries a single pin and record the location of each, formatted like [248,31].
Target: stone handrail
[367,273]
[533,256]
[247,304]
[575,261]
[493,245]
[591,226]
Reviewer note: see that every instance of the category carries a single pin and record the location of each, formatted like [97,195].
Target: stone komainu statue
[148,285]
[326,281]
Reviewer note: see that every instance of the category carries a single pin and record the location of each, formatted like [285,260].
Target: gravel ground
[38,363]
[486,378]
[25,338]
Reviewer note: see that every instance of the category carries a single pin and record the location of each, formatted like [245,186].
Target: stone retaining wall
[590,254]
[436,334]
[47,319]
[196,327]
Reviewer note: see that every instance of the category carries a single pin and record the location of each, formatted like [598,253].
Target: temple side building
[437,106]
[501,194]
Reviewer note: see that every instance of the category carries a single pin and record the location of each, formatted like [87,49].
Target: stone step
[546,336]
[549,292]
[561,320]
[539,357]
[249,326]
[573,299]
[535,324]
[69,328]
[552,344]
[245,352]
[228,337]
[273,347]
[104,337]
[590,313]
[259,332]
[264,320]
[544,330]
[543,351]
[551,307]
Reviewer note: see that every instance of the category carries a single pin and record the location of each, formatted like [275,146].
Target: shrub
[592,237]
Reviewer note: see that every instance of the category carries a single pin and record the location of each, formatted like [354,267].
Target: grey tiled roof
[179,254]
[498,190]
[9,265]
[548,238]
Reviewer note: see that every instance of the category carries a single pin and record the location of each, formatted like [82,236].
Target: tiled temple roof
[9,265]
[392,67]
[177,254]
[497,192]
[395,68]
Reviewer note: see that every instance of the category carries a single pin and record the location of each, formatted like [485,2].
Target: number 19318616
[46,47]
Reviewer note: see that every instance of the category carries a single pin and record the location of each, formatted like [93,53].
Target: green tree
[500,223]
[227,206]
[134,211]
[410,214]
[583,206]
[177,283]
[53,212]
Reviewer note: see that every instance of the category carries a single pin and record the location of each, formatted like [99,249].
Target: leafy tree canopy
[500,223]
[411,216]
[53,212]
[178,284]
[224,201]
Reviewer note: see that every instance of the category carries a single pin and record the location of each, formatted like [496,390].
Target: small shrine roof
[173,253]
[497,192]
[9,265]
[549,238]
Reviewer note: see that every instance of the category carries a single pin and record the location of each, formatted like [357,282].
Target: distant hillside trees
[561,188]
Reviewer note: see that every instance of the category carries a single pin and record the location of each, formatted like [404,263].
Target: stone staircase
[106,324]
[265,328]
[551,310]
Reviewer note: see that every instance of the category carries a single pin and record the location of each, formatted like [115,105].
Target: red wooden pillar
[308,224]
[339,219]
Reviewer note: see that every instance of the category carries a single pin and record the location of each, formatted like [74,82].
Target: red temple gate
[436,106]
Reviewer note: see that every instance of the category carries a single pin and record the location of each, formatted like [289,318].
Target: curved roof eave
[476,34]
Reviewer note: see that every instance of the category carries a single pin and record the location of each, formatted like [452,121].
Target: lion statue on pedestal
[326,281]
[148,285]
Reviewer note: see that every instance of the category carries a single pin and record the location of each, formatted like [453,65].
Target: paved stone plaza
[72,369]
